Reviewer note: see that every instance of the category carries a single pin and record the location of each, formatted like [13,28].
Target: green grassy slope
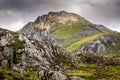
[65,33]
[8,74]
[115,49]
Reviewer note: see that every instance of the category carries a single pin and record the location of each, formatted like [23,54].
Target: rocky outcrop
[19,51]
[100,45]
[21,54]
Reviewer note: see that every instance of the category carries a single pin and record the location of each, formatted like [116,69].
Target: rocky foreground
[19,54]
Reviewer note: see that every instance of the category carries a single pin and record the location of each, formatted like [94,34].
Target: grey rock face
[100,45]
[32,53]
[8,51]
[41,73]
[4,63]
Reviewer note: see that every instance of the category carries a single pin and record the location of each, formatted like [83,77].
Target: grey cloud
[105,12]
[19,4]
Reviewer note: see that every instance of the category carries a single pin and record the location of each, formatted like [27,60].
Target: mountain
[72,31]
[60,46]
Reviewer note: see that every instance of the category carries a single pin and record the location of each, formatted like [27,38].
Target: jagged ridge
[31,53]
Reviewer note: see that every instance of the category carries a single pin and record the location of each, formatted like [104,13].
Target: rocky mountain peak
[43,27]
[61,17]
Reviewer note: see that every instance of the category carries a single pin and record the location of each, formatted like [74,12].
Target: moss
[114,50]
[16,45]
[11,75]
[66,64]
[103,68]
[92,72]
[31,75]
[84,72]
[77,45]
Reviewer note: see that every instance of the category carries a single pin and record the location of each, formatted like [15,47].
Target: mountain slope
[68,29]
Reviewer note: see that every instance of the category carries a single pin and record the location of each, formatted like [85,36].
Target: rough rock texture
[100,45]
[58,76]
[19,51]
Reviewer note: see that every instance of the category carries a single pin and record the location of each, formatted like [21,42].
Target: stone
[3,42]
[8,52]
[17,70]
[4,63]
[58,76]
[57,68]
[76,78]
[41,73]
[100,45]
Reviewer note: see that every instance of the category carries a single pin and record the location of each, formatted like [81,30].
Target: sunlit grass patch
[77,45]
[79,73]
[67,31]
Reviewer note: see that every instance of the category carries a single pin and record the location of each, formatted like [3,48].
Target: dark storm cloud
[16,13]
[19,4]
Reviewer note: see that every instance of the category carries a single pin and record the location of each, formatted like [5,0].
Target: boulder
[99,45]
[76,78]
[4,63]
[14,68]
[58,76]
[8,52]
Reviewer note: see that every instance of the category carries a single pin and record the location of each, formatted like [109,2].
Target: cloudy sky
[14,14]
